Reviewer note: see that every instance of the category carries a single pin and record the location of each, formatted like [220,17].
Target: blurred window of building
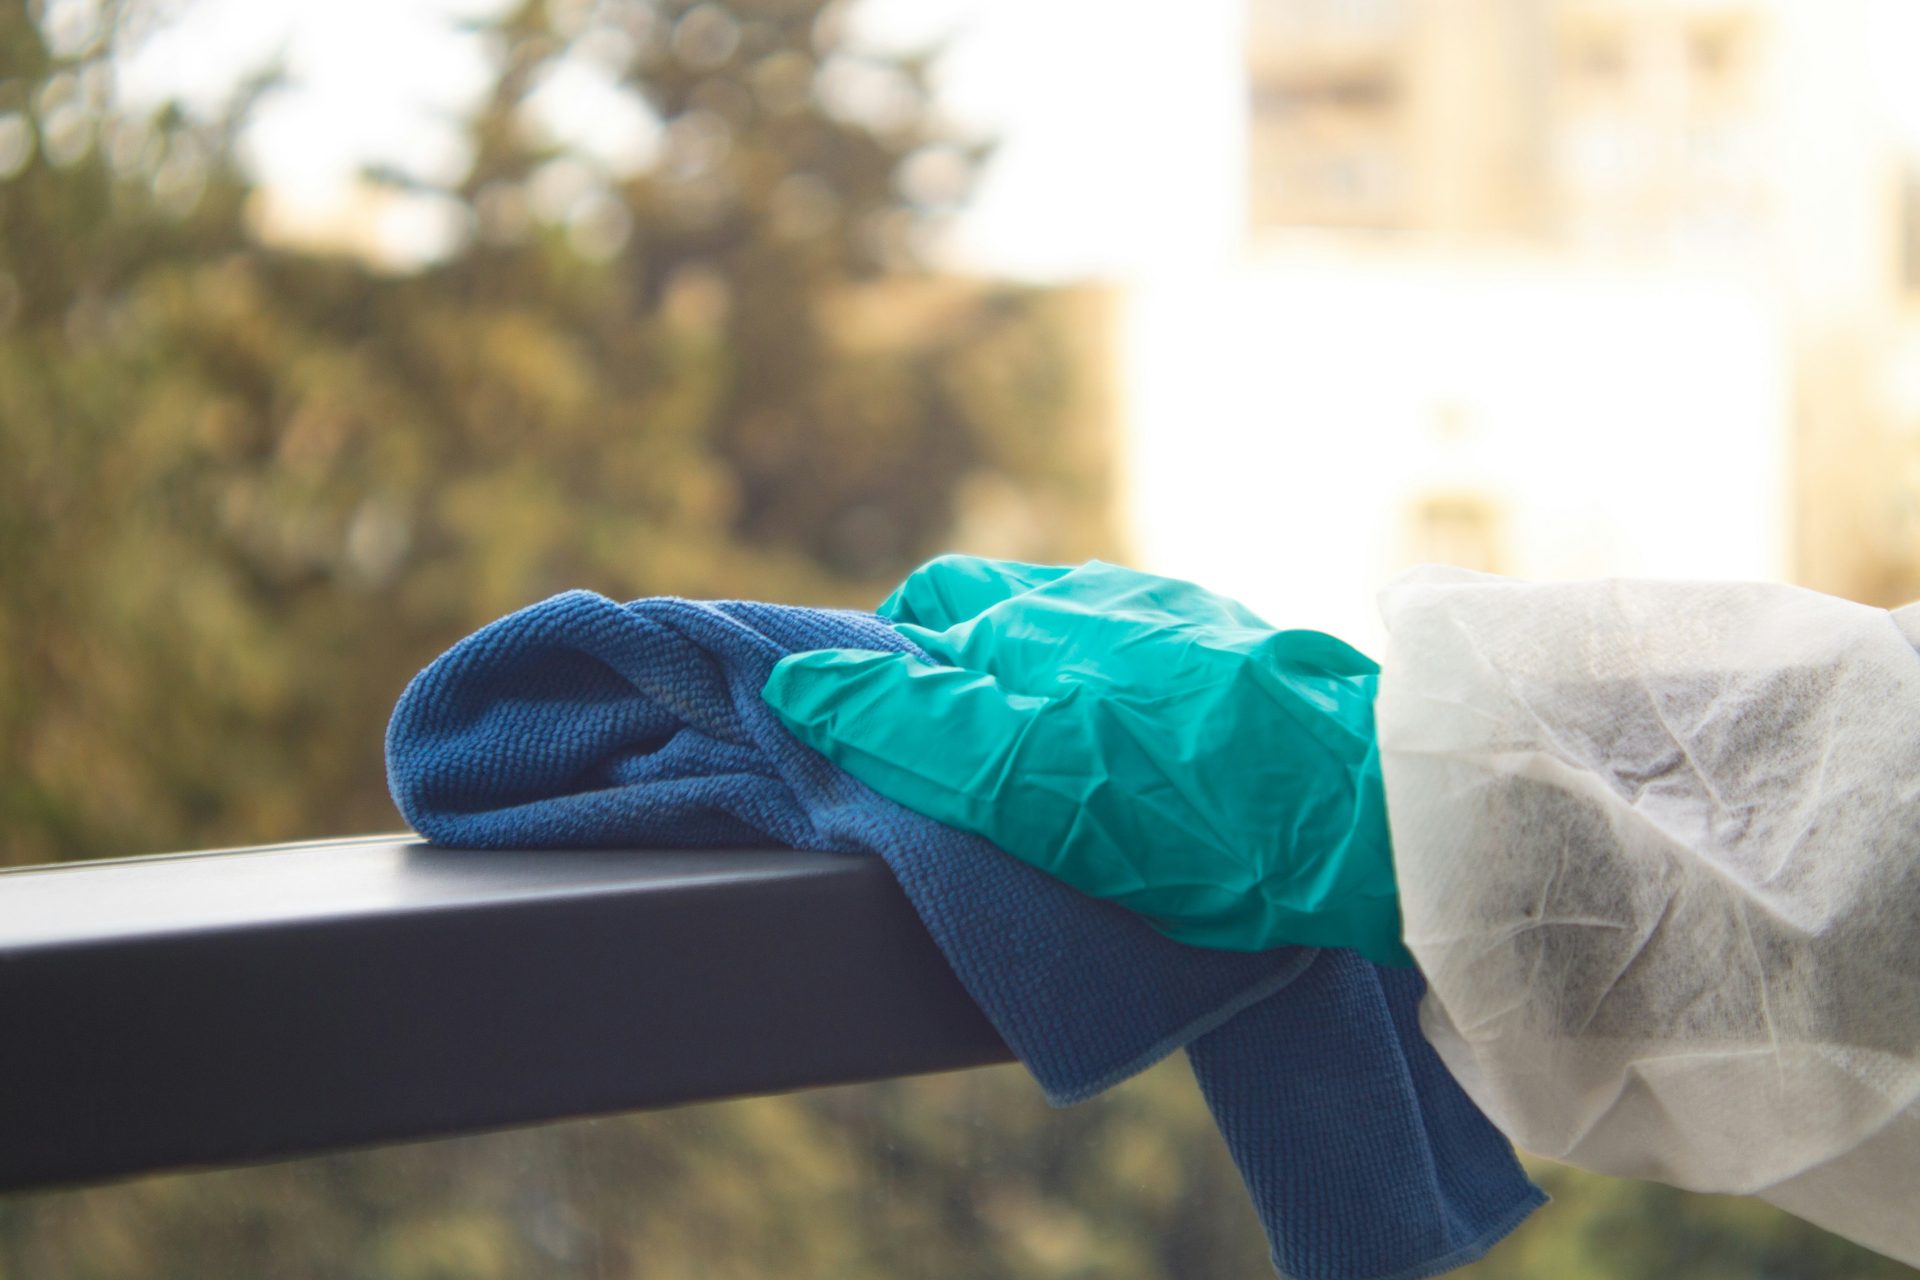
[1603,125]
[1657,109]
[1457,528]
[1327,133]
[1910,228]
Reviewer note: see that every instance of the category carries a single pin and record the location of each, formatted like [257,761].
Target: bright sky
[1123,124]
[1120,119]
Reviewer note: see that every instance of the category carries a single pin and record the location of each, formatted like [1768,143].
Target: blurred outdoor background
[331,331]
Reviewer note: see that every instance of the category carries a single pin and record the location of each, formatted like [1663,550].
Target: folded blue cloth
[581,722]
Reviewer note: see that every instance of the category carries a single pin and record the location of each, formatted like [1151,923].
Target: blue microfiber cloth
[579,722]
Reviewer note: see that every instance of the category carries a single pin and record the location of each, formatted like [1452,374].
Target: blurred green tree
[247,488]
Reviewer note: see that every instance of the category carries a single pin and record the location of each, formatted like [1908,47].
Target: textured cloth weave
[579,722]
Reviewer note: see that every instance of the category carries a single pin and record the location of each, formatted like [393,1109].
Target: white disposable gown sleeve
[1658,847]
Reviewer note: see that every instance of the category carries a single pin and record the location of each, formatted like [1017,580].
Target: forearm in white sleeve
[1658,848]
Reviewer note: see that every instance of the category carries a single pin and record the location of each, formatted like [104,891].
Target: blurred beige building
[1624,125]
[1644,279]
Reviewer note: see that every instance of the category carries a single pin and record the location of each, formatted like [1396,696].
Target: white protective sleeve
[1658,847]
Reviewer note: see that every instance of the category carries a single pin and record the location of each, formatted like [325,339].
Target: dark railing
[255,1004]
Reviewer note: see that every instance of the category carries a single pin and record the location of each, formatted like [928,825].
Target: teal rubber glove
[1138,737]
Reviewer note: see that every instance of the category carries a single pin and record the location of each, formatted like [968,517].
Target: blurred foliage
[968,1174]
[962,1175]
[247,489]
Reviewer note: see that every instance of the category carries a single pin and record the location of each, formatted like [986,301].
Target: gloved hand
[1142,739]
